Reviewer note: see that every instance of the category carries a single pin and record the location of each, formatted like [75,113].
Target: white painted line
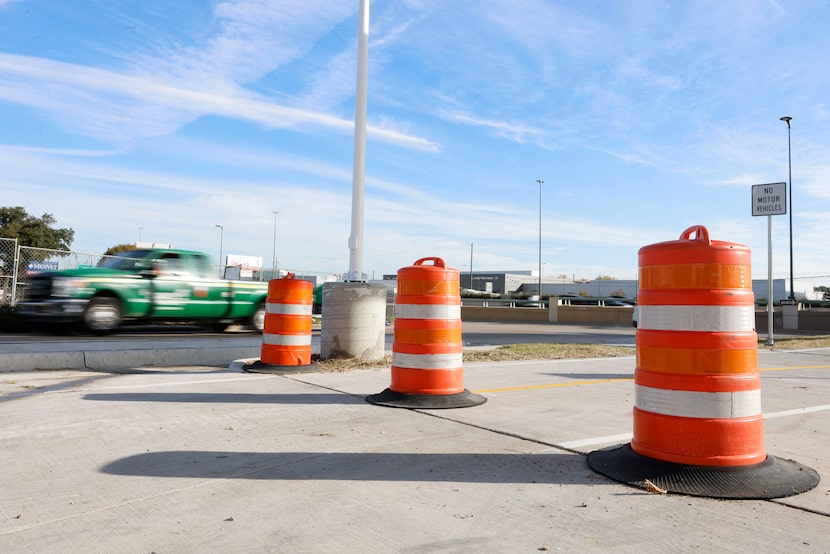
[625,437]
[797,411]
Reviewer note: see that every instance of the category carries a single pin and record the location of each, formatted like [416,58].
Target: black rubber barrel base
[772,478]
[394,399]
[259,367]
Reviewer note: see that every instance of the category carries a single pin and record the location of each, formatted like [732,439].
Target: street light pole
[221,236]
[139,233]
[540,236]
[274,252]
[787,120]
[471,266]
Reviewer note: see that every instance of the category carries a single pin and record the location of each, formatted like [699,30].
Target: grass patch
[796,343]
[337,365]
[507,353]
[546,351]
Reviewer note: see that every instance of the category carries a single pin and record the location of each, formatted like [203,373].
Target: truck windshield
[129,260]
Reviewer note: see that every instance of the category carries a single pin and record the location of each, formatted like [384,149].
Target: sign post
[769,200]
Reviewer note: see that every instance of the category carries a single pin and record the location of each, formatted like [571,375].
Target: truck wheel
[103,315]
[257,321]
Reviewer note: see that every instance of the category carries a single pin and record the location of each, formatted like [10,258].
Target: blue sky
[160,120]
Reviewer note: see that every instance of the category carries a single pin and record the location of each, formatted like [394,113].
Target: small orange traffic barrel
[286,336]
[698,424]
[427,350]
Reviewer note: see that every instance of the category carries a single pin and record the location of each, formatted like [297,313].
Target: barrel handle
[701,233]
[437,262]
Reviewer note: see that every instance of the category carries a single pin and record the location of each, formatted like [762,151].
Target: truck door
[172,288]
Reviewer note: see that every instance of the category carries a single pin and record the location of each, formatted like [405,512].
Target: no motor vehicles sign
[769,199]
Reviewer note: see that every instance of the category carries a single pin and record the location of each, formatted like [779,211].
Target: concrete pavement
[211,459]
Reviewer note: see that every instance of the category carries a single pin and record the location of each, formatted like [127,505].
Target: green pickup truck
[148,285]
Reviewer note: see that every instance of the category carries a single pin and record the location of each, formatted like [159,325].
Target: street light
[471,266]
[139,233]
[787,120]
[274,253]
[540,236]
[221,236]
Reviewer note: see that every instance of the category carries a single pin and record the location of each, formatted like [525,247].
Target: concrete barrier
[599,315]
[482,313]
[817,319]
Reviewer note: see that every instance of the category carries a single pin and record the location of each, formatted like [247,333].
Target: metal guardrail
[503,303]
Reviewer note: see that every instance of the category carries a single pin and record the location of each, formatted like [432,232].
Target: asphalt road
[182,345]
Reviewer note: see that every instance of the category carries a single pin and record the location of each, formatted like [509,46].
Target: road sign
[769,199]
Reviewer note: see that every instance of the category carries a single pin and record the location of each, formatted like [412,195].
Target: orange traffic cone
[698,425]
[286,337]
[427,369]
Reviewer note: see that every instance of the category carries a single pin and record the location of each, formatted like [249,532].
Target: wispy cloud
[139,107]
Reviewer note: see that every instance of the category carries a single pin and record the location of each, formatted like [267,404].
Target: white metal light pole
[274,252]
[354,312]
[139,233]
[787,120]
[540,237]
[471,266]
[359,175]
[221,236]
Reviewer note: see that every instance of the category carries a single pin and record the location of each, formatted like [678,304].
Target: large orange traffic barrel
[698,424]
[286,336]
[427,350]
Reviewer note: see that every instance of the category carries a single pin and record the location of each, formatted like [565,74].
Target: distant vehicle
[145,285]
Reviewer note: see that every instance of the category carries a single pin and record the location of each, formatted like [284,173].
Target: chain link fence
[30,261]
[8,263]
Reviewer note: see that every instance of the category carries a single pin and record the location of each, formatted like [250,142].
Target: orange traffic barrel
[286,336]
[427,349]
[698,389]
[697,401]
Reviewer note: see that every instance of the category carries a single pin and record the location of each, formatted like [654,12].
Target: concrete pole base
[353,321]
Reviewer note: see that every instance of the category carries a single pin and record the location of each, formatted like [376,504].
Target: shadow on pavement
[563,469]
[33,390]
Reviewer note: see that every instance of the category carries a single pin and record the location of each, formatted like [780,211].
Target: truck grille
[40,287]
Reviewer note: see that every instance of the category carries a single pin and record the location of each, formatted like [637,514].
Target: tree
[118,248]
[33,231]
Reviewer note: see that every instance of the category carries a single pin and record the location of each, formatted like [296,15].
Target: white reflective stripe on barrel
[706,405]
[696,318]
[428,311]
[427,361]
[286,340]
[287,309]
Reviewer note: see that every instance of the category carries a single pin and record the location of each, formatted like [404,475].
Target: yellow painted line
[600,381]
[794,367]
[554,385]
